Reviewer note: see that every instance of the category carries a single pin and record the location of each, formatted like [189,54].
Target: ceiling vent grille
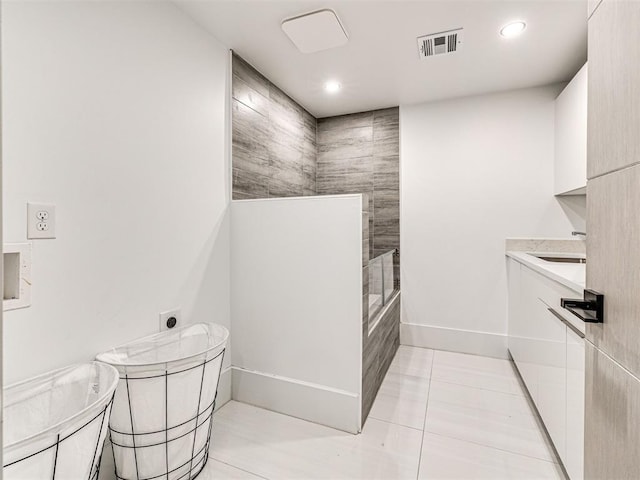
[440,43]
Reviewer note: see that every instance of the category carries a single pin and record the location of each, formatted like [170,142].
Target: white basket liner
[161,421]
[56,423]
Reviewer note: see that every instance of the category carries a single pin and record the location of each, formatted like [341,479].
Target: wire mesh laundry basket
[160,427]
[55,424]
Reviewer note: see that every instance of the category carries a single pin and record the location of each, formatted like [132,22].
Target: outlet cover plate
[164,316]
[41,220]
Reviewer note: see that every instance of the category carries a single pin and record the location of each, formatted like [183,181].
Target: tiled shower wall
[360,153]
[274,139]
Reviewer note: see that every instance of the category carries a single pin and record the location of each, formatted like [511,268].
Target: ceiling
[379,66]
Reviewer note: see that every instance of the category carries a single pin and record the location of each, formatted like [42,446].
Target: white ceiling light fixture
[315,31]
[513,29]
[332,86]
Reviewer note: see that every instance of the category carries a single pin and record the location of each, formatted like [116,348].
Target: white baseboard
[463,341]
[316,403]
[224,387]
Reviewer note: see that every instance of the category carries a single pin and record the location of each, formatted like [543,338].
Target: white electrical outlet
[41,220]
[170,319]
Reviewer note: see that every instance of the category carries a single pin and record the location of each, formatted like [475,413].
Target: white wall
[296,298]
[1,265]
[115,112]
[473,171]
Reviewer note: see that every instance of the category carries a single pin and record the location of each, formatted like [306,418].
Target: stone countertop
[571,275]
[547,245]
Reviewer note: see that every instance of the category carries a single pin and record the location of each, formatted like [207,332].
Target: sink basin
[561,258]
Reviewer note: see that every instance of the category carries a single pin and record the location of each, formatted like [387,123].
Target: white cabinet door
[552,377]
[551,359]
[518,324]
[514,310]
[574,459]
[571,136]
[526,332]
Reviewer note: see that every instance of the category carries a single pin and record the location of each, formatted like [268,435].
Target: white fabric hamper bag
[55,424]
[160,425]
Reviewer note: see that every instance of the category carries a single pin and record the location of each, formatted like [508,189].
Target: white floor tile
[514,433]
[412,361]
[444,458]
[487,400]
[215,470]
[402,399]
[477,362]
[478,424]
[475,371]
[276,446]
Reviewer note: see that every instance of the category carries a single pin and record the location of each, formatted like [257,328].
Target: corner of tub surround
[365,202]
[555,245]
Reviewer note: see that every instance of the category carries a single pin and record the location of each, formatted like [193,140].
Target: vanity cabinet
[570,164]
[548,349]
[574,460]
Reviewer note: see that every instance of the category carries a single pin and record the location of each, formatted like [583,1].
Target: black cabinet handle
[590,309]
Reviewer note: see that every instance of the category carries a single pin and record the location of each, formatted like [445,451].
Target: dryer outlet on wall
[170,319]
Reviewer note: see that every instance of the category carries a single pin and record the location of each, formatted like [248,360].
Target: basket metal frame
[206,414]
[94,471]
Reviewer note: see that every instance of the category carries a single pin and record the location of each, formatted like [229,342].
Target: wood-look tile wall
[378,350]
[612,409]
[614,87]
[612,412]
[360,153]
[273,138]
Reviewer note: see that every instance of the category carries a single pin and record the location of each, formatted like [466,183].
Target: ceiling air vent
[440,43]
[315,31]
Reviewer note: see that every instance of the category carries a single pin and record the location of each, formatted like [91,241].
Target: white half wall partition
[296,306]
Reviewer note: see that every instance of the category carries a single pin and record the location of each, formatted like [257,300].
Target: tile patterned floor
[438,415]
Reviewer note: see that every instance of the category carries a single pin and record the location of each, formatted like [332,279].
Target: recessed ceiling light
[332,86]
[513,29]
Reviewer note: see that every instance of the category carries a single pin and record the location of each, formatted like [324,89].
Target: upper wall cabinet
[571,137]
[614,87]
